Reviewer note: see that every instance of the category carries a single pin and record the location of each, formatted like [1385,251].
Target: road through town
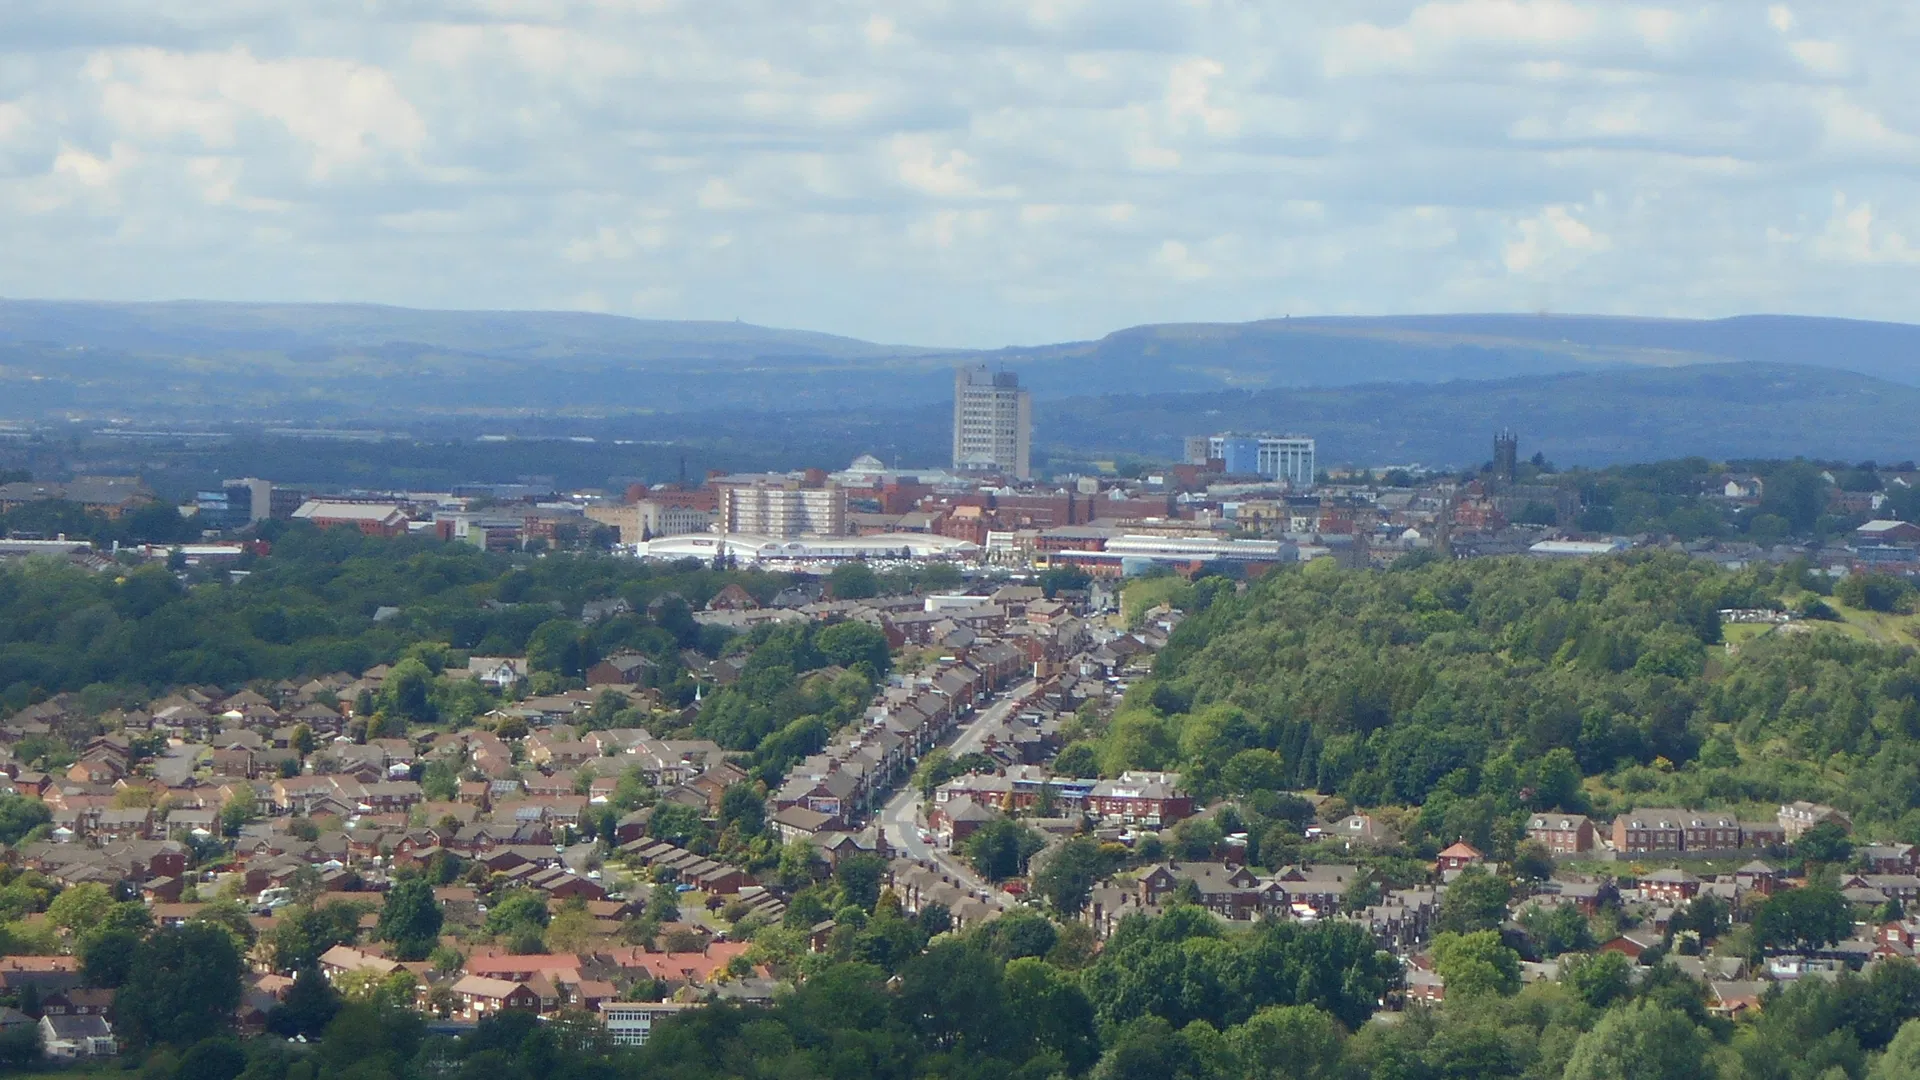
[899,817]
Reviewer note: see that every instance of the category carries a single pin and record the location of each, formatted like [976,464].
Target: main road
[899,817]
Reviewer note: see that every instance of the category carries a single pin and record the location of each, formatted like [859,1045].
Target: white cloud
[1180,263]
[1551,240]
[1827,58]
[341,110]
[982,173]
[1853,235]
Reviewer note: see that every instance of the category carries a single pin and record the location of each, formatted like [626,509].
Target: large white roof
[346,511]
[750,546]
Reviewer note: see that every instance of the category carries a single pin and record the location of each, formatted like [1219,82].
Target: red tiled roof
[700,967]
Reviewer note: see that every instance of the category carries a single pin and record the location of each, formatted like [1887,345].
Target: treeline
[779,697]
[1482,689]
[1169,997]
[308,608]
[1682,498]
[152,523]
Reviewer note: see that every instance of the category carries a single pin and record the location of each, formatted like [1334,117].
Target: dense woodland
[308,607]
[1472,692]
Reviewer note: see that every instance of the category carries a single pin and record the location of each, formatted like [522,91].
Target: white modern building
[629,1023]
[992,423]
[781,506]
[1278,457]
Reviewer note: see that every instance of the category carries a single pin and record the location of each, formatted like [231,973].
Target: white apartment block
[781,507]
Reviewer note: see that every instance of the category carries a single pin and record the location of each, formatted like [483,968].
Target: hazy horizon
[828,331]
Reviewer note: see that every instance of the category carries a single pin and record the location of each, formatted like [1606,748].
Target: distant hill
[1620,415]
[206,361]
[210,362]
[1439,348]
[210,327]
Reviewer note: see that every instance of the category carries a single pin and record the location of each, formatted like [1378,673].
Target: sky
[967,172]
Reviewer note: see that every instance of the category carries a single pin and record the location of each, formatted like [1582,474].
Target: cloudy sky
[966,172]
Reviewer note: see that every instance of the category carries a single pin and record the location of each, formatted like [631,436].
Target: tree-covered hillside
[308,608]
[1479,690]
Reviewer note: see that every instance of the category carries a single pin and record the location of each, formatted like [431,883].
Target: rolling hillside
[221,362]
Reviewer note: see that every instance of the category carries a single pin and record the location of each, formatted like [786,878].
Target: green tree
[183,986]
[517,911]
[1826,842]
[407,693]
[20,1047]
[410,919]
[742,807]
[1599,979]
[236,814]
[1472,1050]
[1291,1042]
[80,907]
[1556,782]
[218,1058]
[1149,1049]
[1806,917]
[1254,770]
[852,644]
[675,823]
[1476,963]
[439,782]
[1018,934]
[1000,849]
[663,903]
[1532,861]
[1557,928]
[1079,759]
[1477,900]
[1052,1013]
[232,917]
[860,877]
[853,581]
[954,997]
[107,958]
[1066,879]
[1902,1059]
[1796,492]
[19,816]
[307,1009]
[1064,579]
[1641,1041]
[303,933]
[563,647]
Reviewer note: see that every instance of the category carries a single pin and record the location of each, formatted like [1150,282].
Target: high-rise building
[785,507]
[992,423]
[1276,457]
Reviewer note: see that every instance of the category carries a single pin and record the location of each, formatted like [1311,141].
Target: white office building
[1276,457]
[992,423]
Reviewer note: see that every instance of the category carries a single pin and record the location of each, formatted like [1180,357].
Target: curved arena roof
[750,547]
